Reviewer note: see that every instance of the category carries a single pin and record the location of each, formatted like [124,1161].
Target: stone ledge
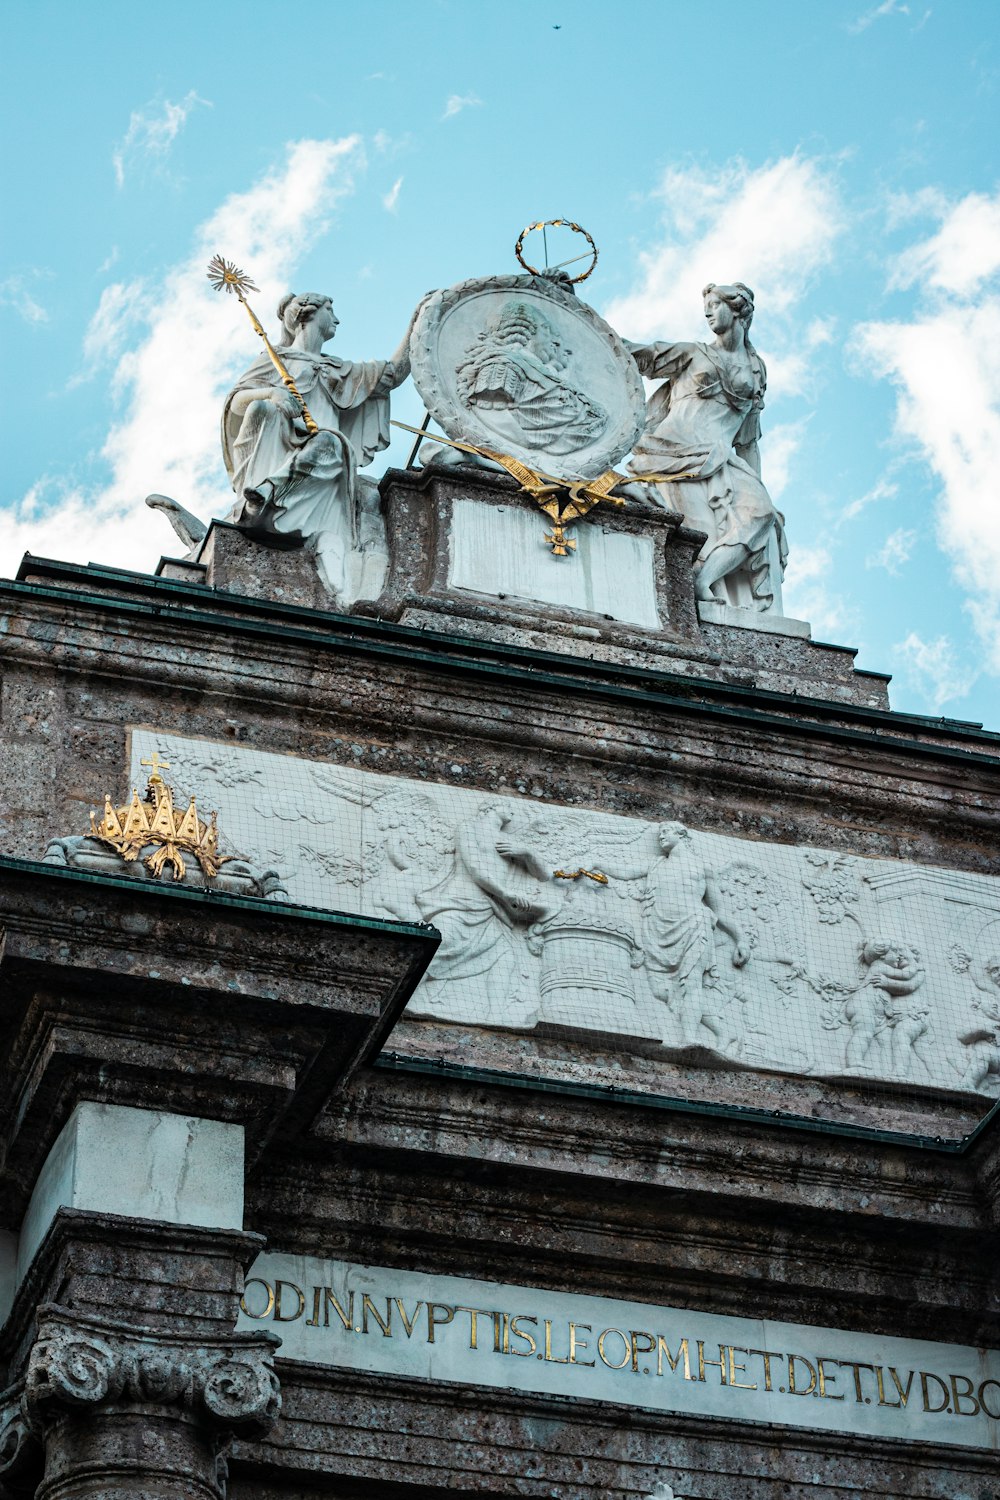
[159,1277]
[591,1450]
[748,619]
[134,992]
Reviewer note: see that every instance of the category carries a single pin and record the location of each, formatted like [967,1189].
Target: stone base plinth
[749,619]
[235,564]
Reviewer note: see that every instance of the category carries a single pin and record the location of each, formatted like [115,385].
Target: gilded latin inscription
[630,1352]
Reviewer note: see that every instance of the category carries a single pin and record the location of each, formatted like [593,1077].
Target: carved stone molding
[125,1413]
[78,1363]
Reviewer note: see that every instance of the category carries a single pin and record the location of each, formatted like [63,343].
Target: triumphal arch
[490,1004]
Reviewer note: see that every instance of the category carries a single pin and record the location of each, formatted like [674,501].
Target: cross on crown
[157,766]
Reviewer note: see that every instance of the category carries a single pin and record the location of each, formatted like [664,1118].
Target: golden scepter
[226,276]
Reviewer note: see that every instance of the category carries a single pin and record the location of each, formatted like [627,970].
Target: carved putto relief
[590,929]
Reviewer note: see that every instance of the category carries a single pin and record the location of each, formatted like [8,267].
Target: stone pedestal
[468,553]
[232,562]
[467,557]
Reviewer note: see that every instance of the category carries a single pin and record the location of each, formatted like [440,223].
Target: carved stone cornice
[83,1363]
[90,1013]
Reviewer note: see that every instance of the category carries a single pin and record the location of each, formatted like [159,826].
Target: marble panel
[481,1333]
[144,1164]
[588,928]
[501,550]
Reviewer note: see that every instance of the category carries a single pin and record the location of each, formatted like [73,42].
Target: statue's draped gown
[704,419]
[290,486]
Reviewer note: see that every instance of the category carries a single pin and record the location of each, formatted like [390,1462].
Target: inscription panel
[451,1328]
[498,549]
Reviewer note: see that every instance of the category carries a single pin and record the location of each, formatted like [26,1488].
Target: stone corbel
[155,1411]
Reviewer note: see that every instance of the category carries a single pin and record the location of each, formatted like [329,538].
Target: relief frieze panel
[589,929]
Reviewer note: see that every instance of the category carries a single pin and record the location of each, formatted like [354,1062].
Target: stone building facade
[396,1179]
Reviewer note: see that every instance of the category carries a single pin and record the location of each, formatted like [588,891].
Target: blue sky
[837,155]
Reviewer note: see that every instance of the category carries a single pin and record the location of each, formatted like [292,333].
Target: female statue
[292,487]
[703,422]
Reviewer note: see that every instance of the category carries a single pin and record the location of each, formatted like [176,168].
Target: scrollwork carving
[241,1392]
[74,1369]
[76,1363]
[20,1450]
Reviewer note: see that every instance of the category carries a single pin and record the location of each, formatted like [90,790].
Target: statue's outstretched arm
[400,359]
[660,360]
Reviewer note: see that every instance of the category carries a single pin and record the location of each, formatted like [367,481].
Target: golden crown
[154,820]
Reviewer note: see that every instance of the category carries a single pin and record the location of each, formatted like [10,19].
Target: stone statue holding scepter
[297,427]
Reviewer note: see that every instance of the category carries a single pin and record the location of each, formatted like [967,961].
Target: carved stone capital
[20,1450]
[81,1363]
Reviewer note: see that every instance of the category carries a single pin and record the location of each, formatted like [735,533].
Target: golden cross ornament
[157,765]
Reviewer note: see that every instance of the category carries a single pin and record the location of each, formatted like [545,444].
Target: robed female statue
[292,485]
[703,423]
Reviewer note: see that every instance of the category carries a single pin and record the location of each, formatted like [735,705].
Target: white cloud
[963,254]
[14,293]
[113,324]
[773,227]
[811,563]
[177,345]
[457,102]
[925,202]
[392,145]
[391,198]
[779,447]
[151,133]
[820,331]
[933,669]
[810,593]
[882,489]
[945,365]
[887,8]
[895,551]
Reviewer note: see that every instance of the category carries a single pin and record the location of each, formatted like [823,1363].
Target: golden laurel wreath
[566,224]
